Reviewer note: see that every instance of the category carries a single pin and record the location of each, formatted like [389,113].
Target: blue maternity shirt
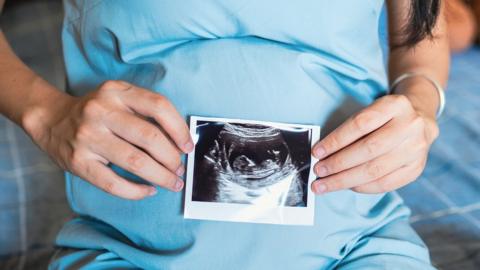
[274,60]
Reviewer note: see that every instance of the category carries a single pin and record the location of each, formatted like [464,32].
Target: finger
[361,124]
[373,145]
[392,181]
[366,172]
[158,107]
[104,178]
[148,137]
[134,160]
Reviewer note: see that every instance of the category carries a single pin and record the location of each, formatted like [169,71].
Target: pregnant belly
[244,78]
[248,79]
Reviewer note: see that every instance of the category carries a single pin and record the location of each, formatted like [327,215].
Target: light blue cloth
[287,61]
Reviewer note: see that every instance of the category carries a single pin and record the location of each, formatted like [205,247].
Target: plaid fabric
[33,206]
[445,200]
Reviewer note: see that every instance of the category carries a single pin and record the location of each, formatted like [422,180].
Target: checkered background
[445,200]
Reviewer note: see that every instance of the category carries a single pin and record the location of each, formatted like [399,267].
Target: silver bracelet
[438,87]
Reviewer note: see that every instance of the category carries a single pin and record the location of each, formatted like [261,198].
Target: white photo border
[249,212]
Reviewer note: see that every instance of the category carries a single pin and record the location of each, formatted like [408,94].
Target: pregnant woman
[137,69]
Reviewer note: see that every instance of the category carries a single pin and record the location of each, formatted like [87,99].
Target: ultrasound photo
[251,170]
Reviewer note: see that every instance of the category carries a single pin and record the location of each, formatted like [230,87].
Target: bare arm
[20,88]
[430,56]
[85,134]
[385,146]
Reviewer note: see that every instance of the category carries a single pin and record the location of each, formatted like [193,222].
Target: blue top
[287,61]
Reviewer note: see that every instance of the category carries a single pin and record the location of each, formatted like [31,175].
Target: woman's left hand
[380,149]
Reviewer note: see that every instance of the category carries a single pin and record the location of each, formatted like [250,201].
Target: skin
[385,146]
[380,149]
[462,24]
[84,134]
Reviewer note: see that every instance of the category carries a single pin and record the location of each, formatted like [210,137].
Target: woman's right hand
[113,125]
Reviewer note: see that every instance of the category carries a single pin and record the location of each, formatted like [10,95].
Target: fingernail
[320,188]
[153,191]
[188,147]
[322,171]
[319,152]
[180,170]
[178,185]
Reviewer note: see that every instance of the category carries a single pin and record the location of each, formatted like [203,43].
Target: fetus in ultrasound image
[251,164]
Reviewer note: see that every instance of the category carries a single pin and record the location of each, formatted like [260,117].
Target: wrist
[425,101]
[41,108]
[422,94]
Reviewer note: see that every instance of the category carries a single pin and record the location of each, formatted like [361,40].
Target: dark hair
[422,19]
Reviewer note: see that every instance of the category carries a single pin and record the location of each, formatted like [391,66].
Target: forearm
[429,57]
[22,92]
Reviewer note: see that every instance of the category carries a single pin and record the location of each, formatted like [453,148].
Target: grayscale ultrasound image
[250,164]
